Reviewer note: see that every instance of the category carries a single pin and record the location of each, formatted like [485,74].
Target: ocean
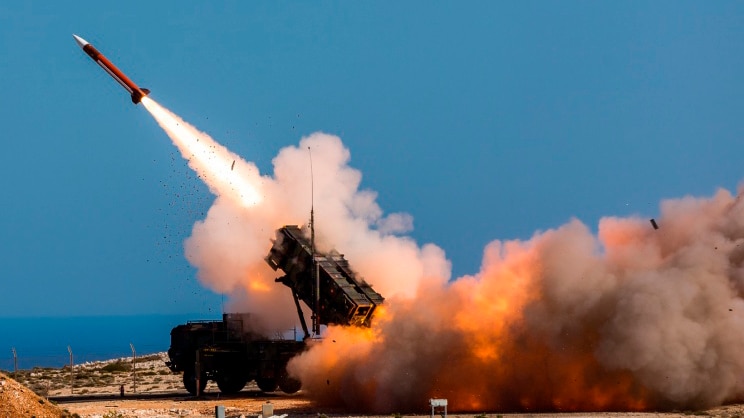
[43,341]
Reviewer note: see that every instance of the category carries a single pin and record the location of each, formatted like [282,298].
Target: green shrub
[116,367]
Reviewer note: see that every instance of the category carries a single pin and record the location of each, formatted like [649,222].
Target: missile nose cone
[80,41]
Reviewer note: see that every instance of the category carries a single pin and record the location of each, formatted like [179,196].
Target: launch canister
[136,92]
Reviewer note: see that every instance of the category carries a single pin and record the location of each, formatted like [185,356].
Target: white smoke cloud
[228,247]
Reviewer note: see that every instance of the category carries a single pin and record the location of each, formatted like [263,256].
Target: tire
[189,383]
[266,384]
[231,384]
[289,385]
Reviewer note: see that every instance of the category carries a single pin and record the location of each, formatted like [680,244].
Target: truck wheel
[230,384]
[189,382]
[266,384]
[289,385]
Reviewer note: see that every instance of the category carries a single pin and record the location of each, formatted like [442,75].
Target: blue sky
[483,120]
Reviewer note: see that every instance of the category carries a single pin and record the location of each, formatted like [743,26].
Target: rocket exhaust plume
[632,318]
[228,247]
[211,161]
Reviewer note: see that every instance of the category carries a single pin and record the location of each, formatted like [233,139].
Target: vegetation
[100,377]
[151,357]
[117,367]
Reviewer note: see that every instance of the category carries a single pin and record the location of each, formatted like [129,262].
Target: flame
[258,286]
[474,342]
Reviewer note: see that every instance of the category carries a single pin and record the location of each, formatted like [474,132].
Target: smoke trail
[228,247]
[630,319]
[214,163]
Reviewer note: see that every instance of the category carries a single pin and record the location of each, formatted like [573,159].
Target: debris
[654,224]
[232,166]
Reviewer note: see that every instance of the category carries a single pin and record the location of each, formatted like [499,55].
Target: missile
[136,92]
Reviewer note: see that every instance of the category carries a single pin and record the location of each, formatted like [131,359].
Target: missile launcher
[344,298]
[231,353]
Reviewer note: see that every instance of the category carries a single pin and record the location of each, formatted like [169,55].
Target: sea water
[44,341]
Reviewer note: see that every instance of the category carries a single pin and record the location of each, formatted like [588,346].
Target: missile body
[136,92]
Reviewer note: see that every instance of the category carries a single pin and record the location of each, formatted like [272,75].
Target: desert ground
[92,390]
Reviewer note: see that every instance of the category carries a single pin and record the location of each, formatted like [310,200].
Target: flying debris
[654,224]
[233,165]
[136,92]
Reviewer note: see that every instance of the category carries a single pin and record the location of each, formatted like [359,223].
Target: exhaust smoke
[228,247]
[632,318]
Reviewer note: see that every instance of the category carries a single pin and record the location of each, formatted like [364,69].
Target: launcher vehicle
[231,353]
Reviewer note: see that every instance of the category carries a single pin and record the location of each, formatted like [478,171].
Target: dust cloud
[631,318]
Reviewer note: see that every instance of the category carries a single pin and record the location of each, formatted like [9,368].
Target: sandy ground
[297,406]
[182,406]
[249,403]
[159,393]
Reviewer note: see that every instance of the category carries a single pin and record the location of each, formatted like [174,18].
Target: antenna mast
[316,311]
